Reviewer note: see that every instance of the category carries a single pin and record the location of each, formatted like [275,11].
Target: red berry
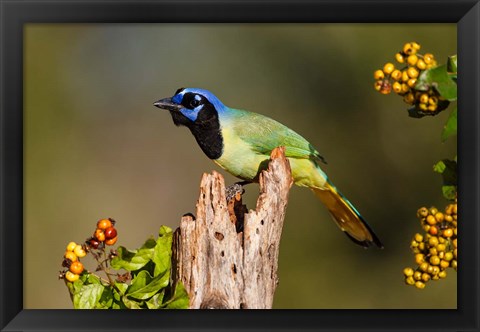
[110,233]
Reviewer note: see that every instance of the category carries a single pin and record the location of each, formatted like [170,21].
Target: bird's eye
[194,103]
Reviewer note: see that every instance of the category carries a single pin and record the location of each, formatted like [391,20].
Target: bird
[240,142]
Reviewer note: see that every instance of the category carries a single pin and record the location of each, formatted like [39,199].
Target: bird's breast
[238,157]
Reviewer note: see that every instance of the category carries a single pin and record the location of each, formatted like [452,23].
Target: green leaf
[450,127]
[439,79]
[179,299]
[131,304]
[122,287]
[106,300]
[163,251]
[132,260]
[145,286]
[452,64]
[88,296]
[449,192]
[156,301]
[448,169]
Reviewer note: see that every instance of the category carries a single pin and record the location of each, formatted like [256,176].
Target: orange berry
[103,224]
[76,267]
[99,235]
[112,241]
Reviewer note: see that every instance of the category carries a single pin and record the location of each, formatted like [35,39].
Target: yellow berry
[439,216]
[424,98]
[409,98]
[442,274]
[432,108]
[420,285]
[423,107]
[378,85]
[433,210]
[405,76]
[428,58]
[421,64]
[448,256]
[419,258]
[424,266]
[433,241]
[444,264]
[417,275]
[79,251]
[412,82]
[441,247]
[397,87]
[455,209]
[409,280]
[431,220]
[454,242]
[409,49]
[412,60]
[405,88]
[422,212]
[378,75]
[415,45]
[435,270]
[396,75]
[70,276]
[388,68]
[408,271]
[433,100]
[454,264]
[447,232]
[425,277]
[434,260]
[399,57]
[70,255]
[418,237]
[71,246]
[412,72]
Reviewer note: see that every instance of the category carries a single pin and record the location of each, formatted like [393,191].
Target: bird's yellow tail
[347,217]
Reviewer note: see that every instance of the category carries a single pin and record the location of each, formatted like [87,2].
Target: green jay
[240,142]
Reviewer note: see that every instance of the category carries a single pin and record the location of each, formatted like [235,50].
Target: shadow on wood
[227,258]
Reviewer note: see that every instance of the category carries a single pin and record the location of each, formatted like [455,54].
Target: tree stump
[227,258]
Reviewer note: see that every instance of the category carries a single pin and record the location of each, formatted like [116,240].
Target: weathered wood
[220,267]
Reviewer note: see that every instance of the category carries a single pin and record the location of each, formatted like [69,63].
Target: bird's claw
[234,191]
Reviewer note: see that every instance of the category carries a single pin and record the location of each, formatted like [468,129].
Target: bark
[228,258]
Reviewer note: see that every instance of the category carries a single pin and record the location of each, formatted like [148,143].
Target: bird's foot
[235,190]
[236,209]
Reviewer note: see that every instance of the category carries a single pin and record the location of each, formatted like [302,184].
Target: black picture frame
[16,13]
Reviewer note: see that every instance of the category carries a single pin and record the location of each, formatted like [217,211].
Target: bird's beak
[167,104]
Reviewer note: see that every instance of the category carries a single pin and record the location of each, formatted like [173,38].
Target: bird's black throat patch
[205,129]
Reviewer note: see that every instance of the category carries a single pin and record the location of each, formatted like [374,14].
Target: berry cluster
[105,234]
[436,250]
[72,261]
[403,80]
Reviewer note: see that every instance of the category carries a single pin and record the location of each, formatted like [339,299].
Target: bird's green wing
[264,134]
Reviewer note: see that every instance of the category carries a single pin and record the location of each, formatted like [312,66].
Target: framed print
[111,110]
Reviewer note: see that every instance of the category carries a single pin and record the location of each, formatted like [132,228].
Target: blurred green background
[95,147]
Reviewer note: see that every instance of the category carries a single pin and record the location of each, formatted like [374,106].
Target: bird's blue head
[190,105]
[200,111]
